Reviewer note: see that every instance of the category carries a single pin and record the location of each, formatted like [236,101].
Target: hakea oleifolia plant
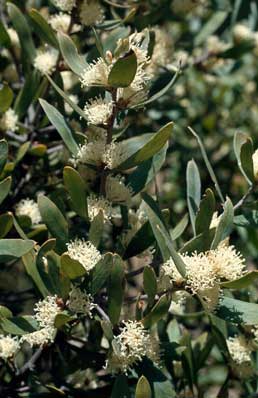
[104,177]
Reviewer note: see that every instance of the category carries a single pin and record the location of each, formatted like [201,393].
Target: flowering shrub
[128,240]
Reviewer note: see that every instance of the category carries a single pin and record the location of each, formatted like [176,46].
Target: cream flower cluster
[239,349]
[8,346]
[64,5]
[60,22]
[204,271]
[91,12]
[84,252]
[9,120]
[45,61]
[80,302]
[131,345]
[97,204]
[162,50]
[45,312]
[117,191]
[96,74]
[98,110]
[29,208]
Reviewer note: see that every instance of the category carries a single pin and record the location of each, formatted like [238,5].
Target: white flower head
[117,191]
[80,302]
[29,208]
[227,263]
[239,349]
[255,163]
[96,74]
[45,61]
[9,120]
[8,346]
[64,5]
[98,110]
[131,345]
[46,311]
[60,22]
[91,153]
[97,204]
[169,268]
[91,12]
[40,337]
[241,33]
[84,252]
[115,154]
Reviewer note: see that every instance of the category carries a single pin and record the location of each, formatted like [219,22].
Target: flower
[115,154]
[40,337]
[162,50]
[29,208]
[96,74]
[8,346]
[45,61]
[241,33]
[91,12]
[131,345]
[68,108]
[91,153]
[239,349]
[97,204]
[255,163]
[117,191]
[98,110]
[9,120]
[80,302]
[84,252]
[60,22]
[46,311]
[64,5]
[227,263]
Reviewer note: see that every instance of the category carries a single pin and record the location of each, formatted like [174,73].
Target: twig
[31,362]
[242,201]
[102,313]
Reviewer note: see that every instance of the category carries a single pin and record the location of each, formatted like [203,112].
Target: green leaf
[62,319]
[161,234]
[107,329]
[120,388]
[23,149]
[96,229]
[14,248]
[29,261]
[143,239]
[199,243]
[237,311]
[5,187]
[205,212]
[123,71]
[159,311]
[241,283]
[77,190]
[71,268]
[115,289]
[101,273]
[193,190]
[243,151]
[19,325]
[216,20]
[69,51]
[237,51]
[22,28]
[6,223]
[98,43]
[150,284]
[153,146]
[67,99]
[5,312]
[59,123]
[164,389]
[54,220]
[225,225]
[247,160]
[207,163]
[3,154]
[28,93]
[43,29]
[143,388]
[5,40]
[6,97]
[180,228]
